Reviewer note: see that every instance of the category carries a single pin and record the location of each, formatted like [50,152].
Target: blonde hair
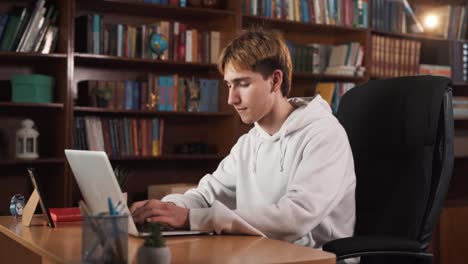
[260,51]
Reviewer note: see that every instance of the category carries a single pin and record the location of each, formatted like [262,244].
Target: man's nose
[233,97]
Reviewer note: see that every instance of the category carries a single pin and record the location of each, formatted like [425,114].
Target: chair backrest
[401,134]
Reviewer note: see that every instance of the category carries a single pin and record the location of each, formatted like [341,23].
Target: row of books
[180,3]
[332,92]
[430,69]
[29,29]
[119,136]
[451,20]
[460,107]
[400,17]
[393,57]
[395,16]
[329,12]
[184,43]
[152,93]
[344,59]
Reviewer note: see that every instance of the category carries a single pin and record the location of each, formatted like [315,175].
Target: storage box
[32,88]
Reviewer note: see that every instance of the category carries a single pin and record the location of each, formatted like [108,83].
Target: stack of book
[346,59]
[29,29]
[441,70]
[460,107]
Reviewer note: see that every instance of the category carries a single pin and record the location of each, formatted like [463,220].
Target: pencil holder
[105,239]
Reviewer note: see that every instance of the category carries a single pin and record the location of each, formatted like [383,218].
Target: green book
[9,31]
[14,27]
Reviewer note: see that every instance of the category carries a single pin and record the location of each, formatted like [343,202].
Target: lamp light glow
[431,21]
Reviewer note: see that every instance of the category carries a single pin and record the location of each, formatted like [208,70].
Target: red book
[68,214]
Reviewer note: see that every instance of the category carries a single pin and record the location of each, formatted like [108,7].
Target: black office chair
[401,133]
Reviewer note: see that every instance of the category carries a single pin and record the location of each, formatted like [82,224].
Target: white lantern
[26,140]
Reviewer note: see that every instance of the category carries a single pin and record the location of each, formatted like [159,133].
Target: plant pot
[160,255]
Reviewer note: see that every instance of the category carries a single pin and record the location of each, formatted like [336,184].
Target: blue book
[304,10]
[136,95]
[3,23]
[268,8]
[214,96]
[336,98]
[96,34]
[162,93]
[204,95]
[170,86]
[128,95]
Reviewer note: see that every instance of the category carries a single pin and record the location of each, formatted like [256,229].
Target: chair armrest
[352,247]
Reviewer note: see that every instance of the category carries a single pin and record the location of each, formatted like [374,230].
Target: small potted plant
[154,250]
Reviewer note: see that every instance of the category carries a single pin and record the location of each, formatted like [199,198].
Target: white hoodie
[296,185]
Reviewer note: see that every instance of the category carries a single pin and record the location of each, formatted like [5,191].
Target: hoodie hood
[307,110]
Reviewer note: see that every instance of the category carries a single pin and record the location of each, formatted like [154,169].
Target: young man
[290,178]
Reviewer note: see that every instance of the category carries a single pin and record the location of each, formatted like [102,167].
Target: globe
[158,44]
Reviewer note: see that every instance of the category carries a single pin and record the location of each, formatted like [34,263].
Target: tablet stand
[30,208]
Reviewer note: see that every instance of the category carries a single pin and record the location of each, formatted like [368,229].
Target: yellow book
[326,91]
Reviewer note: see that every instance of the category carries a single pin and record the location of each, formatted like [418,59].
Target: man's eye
[244,84]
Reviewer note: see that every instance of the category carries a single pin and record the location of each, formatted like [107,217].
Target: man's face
[249,94]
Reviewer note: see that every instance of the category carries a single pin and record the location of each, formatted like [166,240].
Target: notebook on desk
[95,178]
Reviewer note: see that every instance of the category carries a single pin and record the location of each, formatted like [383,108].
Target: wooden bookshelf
[31,56]
[420,36]
[103,111]
[30,106]
[19,162]
[127,62]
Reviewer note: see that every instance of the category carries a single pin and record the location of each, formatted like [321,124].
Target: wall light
[431,21]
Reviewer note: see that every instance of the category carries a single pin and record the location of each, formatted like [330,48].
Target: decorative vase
[160,255]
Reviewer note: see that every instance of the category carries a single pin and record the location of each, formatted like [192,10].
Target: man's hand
[157,211]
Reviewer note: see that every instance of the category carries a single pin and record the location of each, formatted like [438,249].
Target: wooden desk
[41,244]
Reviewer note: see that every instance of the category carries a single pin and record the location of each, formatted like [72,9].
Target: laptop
[95,177]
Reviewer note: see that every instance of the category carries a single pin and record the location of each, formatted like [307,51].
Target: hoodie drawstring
[258,145]
[283,145]
[283,141]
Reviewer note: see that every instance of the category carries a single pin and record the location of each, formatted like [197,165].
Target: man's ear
[277,80]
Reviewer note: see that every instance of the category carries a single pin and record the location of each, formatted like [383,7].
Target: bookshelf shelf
[152,10]
[29,56]
[87,59]
[413,36]
[31,106]
[282,24]
[96,110]
[45,161]
[327,77]
[172,157]
[461,84]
